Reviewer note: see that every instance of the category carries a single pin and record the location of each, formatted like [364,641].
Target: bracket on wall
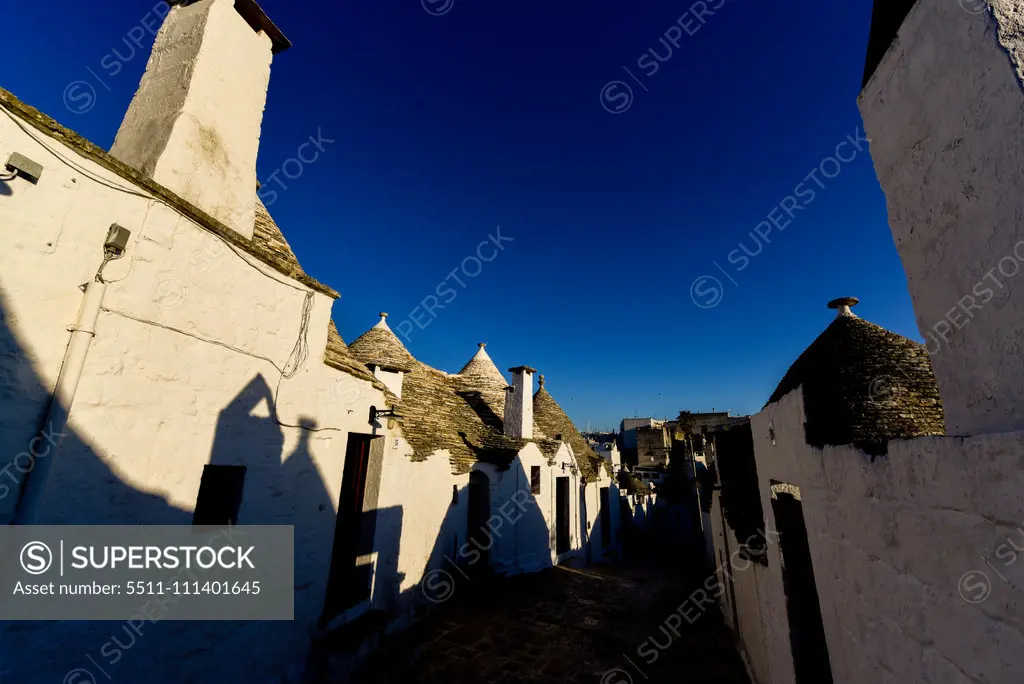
[376,413]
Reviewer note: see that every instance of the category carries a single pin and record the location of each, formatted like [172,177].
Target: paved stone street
[603,624]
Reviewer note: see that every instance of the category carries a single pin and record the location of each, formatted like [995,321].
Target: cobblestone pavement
[603,624]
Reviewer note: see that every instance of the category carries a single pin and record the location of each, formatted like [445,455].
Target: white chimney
[519,403]
[194,124]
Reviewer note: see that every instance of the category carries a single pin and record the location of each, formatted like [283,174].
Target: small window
[220,495]
[455,495]
[535,480]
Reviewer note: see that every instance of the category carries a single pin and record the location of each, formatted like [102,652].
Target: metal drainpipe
[34,489]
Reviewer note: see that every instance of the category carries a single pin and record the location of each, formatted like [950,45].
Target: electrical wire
[129,191]
[135,244]
[300,352]
[66,162]
[201,338]
[296,360]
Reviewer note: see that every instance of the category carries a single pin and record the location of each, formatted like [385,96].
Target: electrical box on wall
[24,167]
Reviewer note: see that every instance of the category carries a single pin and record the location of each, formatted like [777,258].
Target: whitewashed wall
[532,544]
[154,405]
[945,115]
[752,602]
[897,547]
[593,530]
[429,522]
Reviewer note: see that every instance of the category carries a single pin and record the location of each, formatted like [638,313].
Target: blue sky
[449,118]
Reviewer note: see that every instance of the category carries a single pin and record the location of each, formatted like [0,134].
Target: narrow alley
[604,624]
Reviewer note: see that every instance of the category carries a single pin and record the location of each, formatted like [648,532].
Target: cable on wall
[300,352]
[295,362]
[129,191]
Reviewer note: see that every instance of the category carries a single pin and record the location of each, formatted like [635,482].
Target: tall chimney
[519,403]
[194,124]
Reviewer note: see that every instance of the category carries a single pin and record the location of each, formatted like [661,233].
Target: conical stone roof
[482,385]
[864,385]
[378,346]
[481,371]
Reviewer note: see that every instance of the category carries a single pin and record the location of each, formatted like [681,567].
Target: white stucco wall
[423,491]
[527,548]
[182,371]
[611,454]
[426,553]
[892,542]
[945,115]
[391,379]
[194,124]
[753,604]
[592,532]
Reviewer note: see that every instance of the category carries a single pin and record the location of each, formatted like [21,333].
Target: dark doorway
[606,520]
[479,511]
[585,531]
[806,631]
[343,591]
[562,514]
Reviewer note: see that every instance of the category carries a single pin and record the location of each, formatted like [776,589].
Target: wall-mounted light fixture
[117,240]
[387,413]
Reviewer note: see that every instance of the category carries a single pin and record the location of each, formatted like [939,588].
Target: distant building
[628,436]
[653,445]
[609,451]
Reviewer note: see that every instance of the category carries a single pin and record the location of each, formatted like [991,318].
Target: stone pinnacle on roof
[843,304]
[540,381]
[378,346]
